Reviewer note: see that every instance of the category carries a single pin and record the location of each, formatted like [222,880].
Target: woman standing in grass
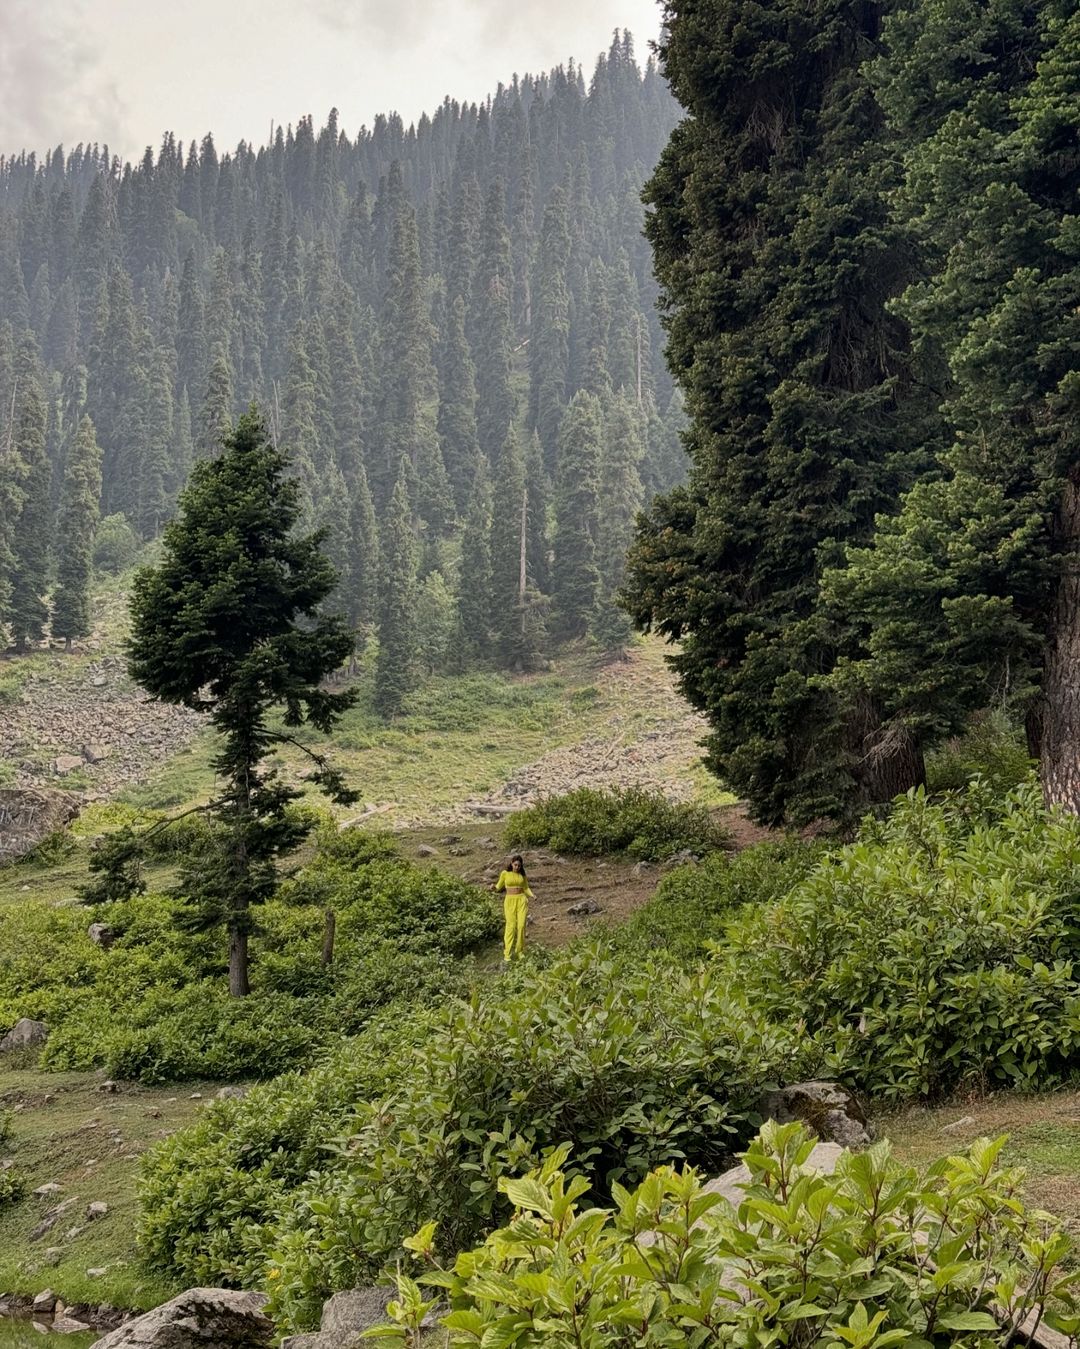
[515,906]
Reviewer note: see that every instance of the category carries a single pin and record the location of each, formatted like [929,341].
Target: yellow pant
[516,909]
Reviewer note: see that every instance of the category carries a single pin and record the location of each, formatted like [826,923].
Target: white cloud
[52,78]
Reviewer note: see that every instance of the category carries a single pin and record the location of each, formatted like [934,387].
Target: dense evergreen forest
[865,233]
[450,328]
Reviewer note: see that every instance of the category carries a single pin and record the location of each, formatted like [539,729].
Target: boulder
[67,763]
[426,850]
[44,1302]
[27,816]
[826,1107]
[25,1034]
[101,935]
[98,1209]
[96,752]
[582,910]
[68,1325]
[347,1316]
[731,1185]
[201,1318]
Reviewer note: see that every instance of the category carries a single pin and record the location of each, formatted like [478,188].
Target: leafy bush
[154,1006]
[937,950]
[873,1256]
[12,1186]
[207,1191]
[993,748]
[116,545]
[633,1063]
[592,821]
[693,904]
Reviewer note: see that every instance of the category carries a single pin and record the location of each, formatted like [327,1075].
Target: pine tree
[27,610]
[236,637]
[394,667]
[361,581]
[575,579]
[969,597]
[491,332]
[457,407]
[79,511]
[620,501]
[510,502]
[549,347]
[215,420]
[472,634]
[806,418]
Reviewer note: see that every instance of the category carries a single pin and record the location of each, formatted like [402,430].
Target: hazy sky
[123,71]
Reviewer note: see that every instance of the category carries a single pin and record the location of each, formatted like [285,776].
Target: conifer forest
[450,327]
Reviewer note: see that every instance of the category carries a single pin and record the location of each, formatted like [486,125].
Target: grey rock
[485,842]
[97,752]
[28,815]
[101,935]
[67,763]
[732,1183]
[426,850]
[827,1107]
[959,1125]
[583,909]
[450,838]
[312,1340]
[642,868]
[97,1209]
[40,1327]
[685,858]
[25,1034]
[47,1190]
[44,1303]
[68,1325]
[52,1255]
[109,1087]
[347,1315]
[200,1318]
[230,1093]
[98,681]
[459,850]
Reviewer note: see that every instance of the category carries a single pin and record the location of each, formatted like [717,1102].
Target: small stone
[459,850]
[44,1302]
[426,850]
[195,1096]
[449,839]
[52,1255]
[96,1273]
[109,1087]
[40,1327]
[25,1034]
[97,1209]
[68,1325]
[99,681]
[101,935]
[230,1093]
[67,763]
[96,752]
[582,910]
[958,1125]
[47,1190]
[74,1232]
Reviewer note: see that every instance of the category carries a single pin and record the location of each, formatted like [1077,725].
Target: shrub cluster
[936,951]
[593,821]
[154,1006]
[633,1063]
[873,1256]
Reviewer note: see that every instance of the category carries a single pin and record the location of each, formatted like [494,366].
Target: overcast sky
[123,71]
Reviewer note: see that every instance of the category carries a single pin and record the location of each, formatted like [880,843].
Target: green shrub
[993,748]
[154,1006]
[936,951]
[633,1063]
[693,904]
[875,1255]
[12,1186]
[207,1191]
[592,821]
[116,545]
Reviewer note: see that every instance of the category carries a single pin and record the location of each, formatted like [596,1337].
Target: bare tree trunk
[239,987]
[1059,713]
[329,931]
[888,758]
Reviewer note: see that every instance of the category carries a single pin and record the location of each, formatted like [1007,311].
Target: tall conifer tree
[79,511]
[394,666]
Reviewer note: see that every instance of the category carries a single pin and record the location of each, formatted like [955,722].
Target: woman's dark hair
[517,857]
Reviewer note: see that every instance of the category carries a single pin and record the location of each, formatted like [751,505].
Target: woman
[515,907]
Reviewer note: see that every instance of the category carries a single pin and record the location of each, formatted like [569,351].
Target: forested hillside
[449,327]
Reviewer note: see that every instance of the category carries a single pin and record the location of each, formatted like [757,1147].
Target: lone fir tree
[78,524]
[229,623]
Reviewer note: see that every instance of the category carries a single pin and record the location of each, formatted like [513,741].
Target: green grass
[67,1130]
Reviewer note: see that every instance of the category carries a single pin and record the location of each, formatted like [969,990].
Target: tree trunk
[888,758]
[1059,765]
[238,962]
[329,932]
